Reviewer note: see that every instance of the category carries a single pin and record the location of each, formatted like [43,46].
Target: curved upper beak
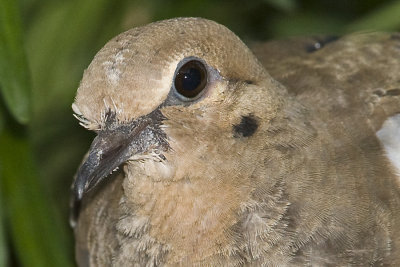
[114,145]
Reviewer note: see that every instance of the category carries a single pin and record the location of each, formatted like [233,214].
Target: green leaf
[385,18]
[2,122]
[3,245]
[38,237]
[284,5]
[14,74]
[305,24]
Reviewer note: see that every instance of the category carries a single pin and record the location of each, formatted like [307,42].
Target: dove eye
[191,79]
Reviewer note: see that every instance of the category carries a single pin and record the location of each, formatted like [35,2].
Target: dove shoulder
[353,74]
[350,87]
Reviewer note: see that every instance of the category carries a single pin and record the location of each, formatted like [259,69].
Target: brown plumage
[276,162]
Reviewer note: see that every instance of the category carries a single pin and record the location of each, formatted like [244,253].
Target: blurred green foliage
[14,76]
[45,46]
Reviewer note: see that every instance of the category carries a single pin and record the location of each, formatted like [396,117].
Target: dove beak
[114,145]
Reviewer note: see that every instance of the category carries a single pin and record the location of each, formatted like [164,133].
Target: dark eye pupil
[191,79]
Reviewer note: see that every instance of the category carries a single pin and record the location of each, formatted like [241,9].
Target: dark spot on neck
[393,92]
[395,36]
[246,128]
[320,43]
[379,92]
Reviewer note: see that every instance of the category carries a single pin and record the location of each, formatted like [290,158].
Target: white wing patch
[389,135]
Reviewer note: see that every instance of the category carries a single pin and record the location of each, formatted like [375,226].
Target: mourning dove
[287,158]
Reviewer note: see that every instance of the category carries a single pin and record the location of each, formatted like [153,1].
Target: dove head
[168,87]
[135,71]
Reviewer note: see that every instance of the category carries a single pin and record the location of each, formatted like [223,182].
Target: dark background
[44,47]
